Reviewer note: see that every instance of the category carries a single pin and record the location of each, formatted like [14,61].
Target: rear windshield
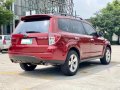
[32,27]
[7,38]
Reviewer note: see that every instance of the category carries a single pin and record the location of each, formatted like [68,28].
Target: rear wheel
[107,57]
[27,67]
[1,51]
[70,67]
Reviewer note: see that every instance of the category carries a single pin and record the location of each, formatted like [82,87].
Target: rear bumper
[53,55]
[34,60]
[4,47]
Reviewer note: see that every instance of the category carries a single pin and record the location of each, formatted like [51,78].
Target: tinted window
[0,37]
[89,29]
[7,37]
[77,27]
[64,24]
[72,26]
[32,26]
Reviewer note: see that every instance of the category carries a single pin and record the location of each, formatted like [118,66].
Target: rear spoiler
[35,17]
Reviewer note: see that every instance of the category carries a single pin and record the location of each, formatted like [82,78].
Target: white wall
[115,37]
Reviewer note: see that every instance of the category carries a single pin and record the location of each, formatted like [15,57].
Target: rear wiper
[33,32]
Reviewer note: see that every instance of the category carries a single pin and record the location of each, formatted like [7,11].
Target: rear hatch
[31,35]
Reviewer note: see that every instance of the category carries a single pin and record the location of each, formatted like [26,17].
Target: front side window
[77,27]
[89,29]
[32,27]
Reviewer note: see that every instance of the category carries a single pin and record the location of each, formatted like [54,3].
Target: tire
[27,67]
[70,67]
[107,57]
[1,51]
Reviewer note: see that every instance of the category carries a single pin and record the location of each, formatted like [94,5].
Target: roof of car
[54,16]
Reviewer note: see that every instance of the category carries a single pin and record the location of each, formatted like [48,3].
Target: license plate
[26,41]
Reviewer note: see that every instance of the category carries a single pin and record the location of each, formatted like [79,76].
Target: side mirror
[100,34]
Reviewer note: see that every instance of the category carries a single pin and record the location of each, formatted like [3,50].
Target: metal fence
[43,7]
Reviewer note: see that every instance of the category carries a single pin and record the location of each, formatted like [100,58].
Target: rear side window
[89,29]
[70,25]
[0,37]
[64,24]
[7,38]
[32,27]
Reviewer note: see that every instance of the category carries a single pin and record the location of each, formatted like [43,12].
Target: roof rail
[64,14]
[76,17]
[61,14]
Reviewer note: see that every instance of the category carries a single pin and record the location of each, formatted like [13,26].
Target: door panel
[97,46]
[85,46]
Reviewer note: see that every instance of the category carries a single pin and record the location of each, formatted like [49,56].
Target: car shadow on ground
[54,73]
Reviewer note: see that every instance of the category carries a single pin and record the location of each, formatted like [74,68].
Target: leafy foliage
[108,19]
[6,15]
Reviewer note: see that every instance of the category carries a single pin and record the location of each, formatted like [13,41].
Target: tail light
[54,38]
[4,41]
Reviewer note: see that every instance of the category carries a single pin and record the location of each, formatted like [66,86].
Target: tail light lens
[54,38]
[4,41]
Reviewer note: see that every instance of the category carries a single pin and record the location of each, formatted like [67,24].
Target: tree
[6,15]
[108,19]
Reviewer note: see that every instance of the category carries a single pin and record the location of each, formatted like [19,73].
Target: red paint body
[87,46]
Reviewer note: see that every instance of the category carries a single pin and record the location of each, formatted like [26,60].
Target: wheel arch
[109,46]
[75,49]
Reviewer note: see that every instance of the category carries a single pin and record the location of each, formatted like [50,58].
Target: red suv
[58,40]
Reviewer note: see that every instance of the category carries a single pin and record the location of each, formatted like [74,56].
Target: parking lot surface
[91,76]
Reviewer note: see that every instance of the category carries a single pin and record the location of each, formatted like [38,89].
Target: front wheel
[107,57]
[70,67]
[27,67]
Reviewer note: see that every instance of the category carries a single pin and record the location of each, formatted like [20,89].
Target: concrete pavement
[91,76]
